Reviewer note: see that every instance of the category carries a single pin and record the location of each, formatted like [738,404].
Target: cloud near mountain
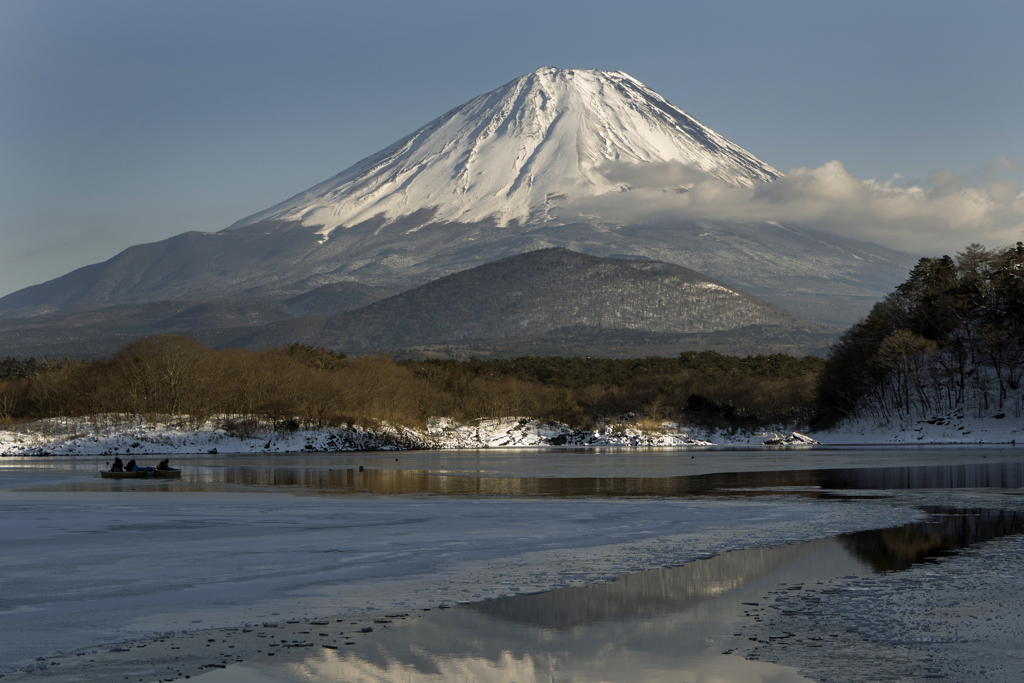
[942,215]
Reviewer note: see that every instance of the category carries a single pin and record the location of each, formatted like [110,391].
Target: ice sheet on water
[83,572]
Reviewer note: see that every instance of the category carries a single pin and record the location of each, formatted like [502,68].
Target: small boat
[143,474]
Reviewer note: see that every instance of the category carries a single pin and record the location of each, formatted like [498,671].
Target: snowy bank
[107,436]
[951,428]
[176,436]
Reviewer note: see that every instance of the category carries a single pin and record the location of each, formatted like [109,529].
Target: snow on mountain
[518,152]
[528,166]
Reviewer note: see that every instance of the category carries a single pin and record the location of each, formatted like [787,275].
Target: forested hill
[949,339]
[542,291]
[576,373]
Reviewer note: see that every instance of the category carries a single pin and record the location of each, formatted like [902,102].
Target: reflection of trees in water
[996,475]
[315,477]
[950,530]
[387,481]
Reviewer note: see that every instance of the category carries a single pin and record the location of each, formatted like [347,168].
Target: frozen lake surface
[247,539]
[661,625]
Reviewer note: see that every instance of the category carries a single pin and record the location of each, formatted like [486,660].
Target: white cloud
[1002,165]
[943,215]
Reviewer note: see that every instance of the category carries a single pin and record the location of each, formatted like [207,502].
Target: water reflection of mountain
[658,626]
[947,531]
[644,594]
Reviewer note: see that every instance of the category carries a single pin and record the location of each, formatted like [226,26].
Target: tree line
[301,385]
[950,338]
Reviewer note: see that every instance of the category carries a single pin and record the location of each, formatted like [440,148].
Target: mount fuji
[512,171]
[519,152]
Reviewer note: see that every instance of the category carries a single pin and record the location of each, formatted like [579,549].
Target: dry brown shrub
[378,388]
[165,374]
[9,400]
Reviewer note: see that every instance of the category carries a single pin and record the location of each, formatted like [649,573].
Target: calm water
[501,474]
[675,624]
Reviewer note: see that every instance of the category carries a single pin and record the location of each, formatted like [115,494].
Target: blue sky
[124,122]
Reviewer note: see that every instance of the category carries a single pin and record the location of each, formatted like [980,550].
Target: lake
[669,623]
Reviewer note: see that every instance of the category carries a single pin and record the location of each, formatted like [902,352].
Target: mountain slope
[93,332]
[546,302]
[539,292]
[818,276]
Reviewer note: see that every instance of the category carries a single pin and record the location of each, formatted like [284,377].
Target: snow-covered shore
[79,436]
[952,428]
[144,437]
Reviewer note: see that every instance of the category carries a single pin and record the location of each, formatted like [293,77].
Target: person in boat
[164,465]
[118,466]
[130,467]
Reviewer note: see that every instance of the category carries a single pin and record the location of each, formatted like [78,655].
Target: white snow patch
[507,432]
[950,428]
[711,286]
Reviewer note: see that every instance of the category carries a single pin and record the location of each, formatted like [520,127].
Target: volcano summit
[519,152]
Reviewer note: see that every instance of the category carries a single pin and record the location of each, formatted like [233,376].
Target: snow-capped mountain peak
[518,152]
